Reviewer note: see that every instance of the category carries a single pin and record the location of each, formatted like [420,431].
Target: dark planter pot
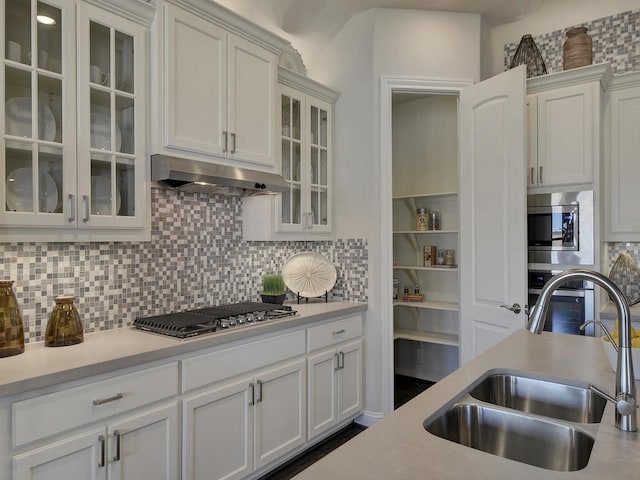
[276,299]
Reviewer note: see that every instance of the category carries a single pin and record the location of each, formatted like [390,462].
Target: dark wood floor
[405,388]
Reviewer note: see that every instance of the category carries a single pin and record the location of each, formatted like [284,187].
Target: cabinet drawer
[334,332]
[215,366]
[53,413]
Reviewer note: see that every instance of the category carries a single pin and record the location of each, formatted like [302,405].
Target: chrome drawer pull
[102,401]
[259,384]
[103,452]
[72,208]
[252,402]
[339,332]
[117,435]
[337,357]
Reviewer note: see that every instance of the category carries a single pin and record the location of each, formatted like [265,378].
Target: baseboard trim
[368,419]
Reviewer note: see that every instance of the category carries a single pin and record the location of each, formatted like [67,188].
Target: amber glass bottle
[64,327]
[11,326]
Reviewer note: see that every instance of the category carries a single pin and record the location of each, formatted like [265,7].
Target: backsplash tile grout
[196,257]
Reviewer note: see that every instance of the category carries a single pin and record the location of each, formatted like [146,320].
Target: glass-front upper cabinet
[111,132]
[37,168]
[306,163]
[73,87]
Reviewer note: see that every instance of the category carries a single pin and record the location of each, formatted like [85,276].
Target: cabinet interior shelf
[417,232]
[439,268]
[429,337]
[432,305]
[425,195]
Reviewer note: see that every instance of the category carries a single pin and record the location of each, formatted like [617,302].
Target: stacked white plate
[18,119]
[19,194]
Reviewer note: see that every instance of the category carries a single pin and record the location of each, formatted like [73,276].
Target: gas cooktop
[212,319]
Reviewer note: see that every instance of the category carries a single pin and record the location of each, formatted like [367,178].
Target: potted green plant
[273,289]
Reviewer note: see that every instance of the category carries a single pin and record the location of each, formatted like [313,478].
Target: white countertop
[102,352]
[398,447]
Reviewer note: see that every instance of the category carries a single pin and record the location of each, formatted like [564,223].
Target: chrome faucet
[625,399]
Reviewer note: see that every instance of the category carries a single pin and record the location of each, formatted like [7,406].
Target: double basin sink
[540,422]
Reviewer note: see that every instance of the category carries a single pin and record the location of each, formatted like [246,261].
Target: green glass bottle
[11,326]
[64,327]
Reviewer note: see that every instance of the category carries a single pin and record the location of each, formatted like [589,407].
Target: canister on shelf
[422,219]
[64,326]
[434,220]
[449,257]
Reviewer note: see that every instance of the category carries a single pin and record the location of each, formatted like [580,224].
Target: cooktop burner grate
[210,319]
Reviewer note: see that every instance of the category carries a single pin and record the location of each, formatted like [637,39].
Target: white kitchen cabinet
[334,374]
[244,419]
[74,141]
[243,425]
[622,169]
[107,429]
[306,163]
[217,86]
[140,446]
[565,123]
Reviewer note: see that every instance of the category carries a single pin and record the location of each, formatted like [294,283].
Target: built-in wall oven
[571,304]
[560,228]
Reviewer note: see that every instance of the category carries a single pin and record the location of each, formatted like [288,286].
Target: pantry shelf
[430,337]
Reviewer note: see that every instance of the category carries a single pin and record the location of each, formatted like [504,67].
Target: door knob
[515,308]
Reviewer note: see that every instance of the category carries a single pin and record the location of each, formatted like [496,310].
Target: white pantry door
[492,211]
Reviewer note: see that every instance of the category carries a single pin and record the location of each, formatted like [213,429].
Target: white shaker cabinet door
[196,69]
[79,456]
[252,99]
[145,446]
[567,127]
[622,170]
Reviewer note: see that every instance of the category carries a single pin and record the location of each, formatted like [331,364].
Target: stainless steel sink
[541,397]
[510,434]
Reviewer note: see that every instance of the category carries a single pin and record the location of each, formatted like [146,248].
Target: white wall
[411,43]
[552,15]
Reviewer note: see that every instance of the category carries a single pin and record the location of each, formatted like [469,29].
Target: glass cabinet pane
[286,116]
[125,125]
[124,63]
[49,29]
[125,187]
[314,165]
[99,54]
[323,162]
[102,189]
[314,126]
[18,106]
[50,180]
[101,120]
[296,118]
[49,109]
[323,127]
[19,177]
[18,30]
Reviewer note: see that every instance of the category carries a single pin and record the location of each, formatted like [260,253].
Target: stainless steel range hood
[202,177]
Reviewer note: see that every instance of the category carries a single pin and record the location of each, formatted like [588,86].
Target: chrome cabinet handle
[341,360]
[533,172]
[85,199]
[103,451]
[337,357]
[72,208]
[339,332]
[225,141]
[515,308]
[102,401]
[233,138]
[253,394]
[540,175]
[259,384]
[117,435]
[311,219]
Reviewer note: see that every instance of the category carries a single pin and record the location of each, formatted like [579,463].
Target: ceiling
[310,24]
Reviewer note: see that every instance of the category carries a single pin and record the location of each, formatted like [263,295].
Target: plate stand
[306,299]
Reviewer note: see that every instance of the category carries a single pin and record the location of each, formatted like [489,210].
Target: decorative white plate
[20,191]
[18,119]
[101,196]
[309,274]
[101,133]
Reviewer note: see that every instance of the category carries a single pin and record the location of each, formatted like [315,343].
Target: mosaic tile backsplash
[196,258]
[616,39]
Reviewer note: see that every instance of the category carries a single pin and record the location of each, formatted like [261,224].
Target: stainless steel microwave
[560,228]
